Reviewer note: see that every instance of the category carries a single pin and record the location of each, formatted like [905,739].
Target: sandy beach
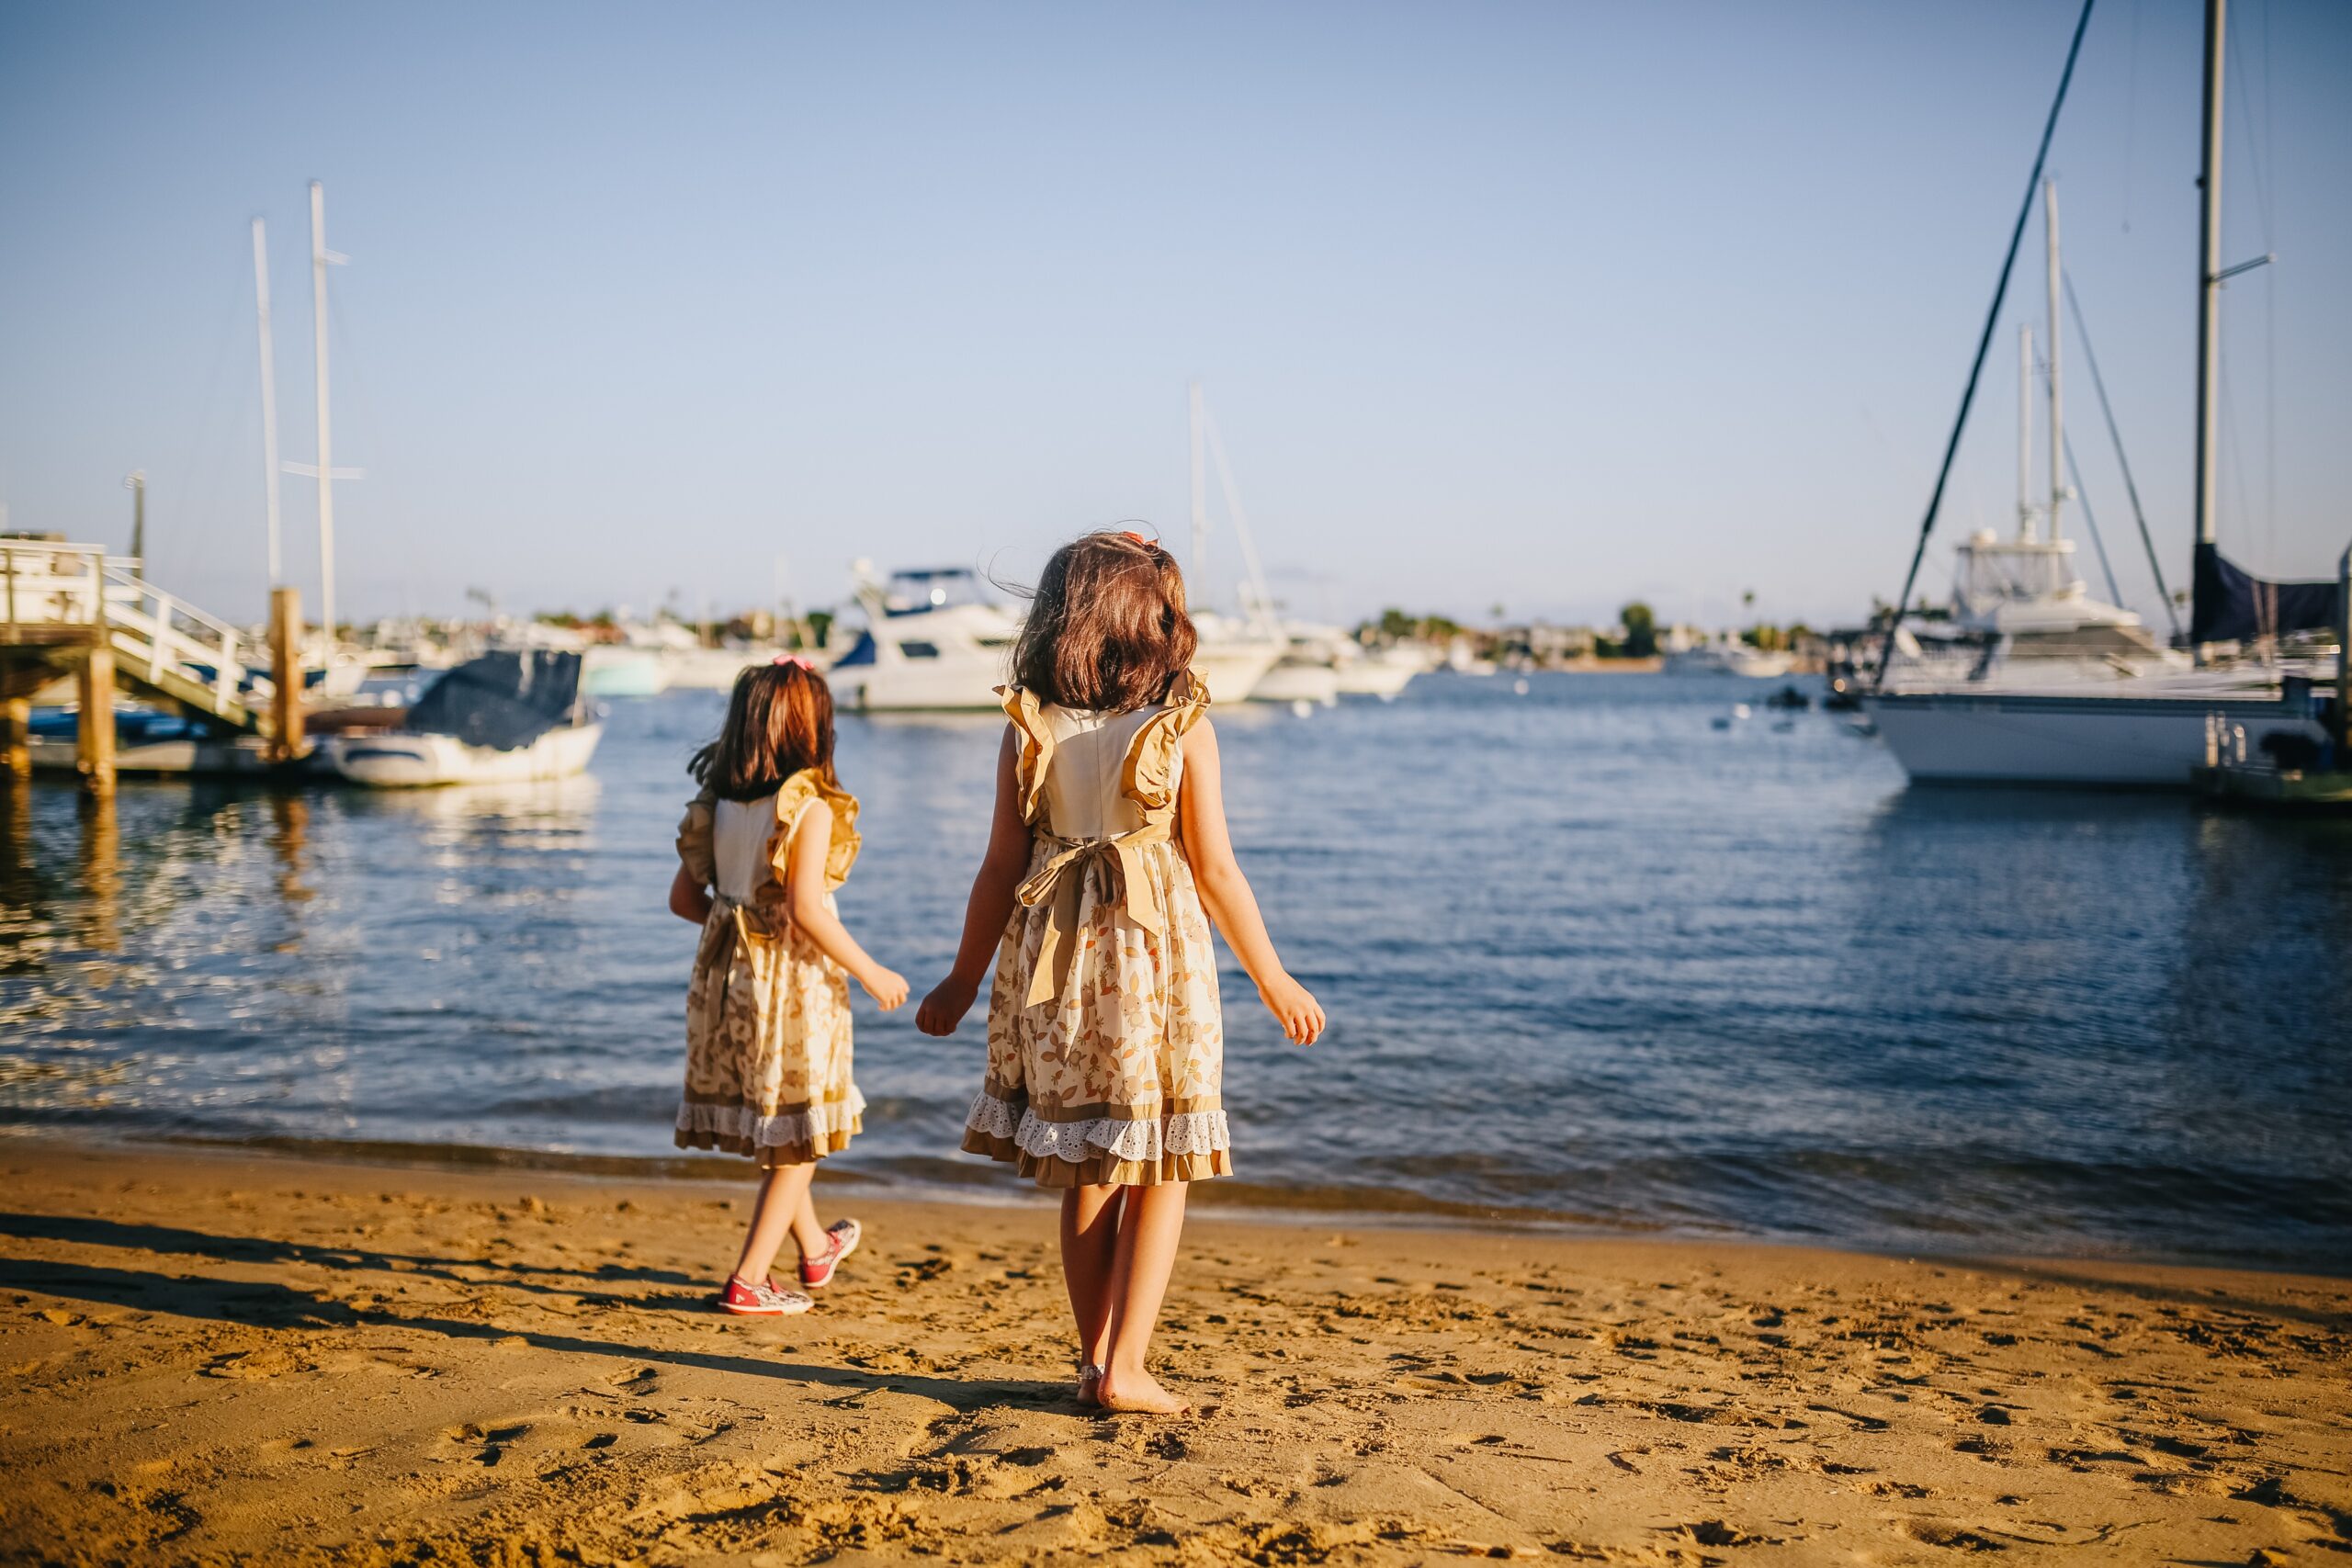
[219,1358]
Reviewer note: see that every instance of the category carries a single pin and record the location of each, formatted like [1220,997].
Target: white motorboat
[2046,685]
[1300,675]
[506,717]
[1232,667]
[932,640]
[1313,666]
[405,760]
[1382,673]
[1726,656]
[1231,656]
[708,669]
[616,670]
[1462,658]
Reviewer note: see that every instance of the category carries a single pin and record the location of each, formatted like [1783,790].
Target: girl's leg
[1151,1225]
[783,1209]
[807,1233]
[1089,1243]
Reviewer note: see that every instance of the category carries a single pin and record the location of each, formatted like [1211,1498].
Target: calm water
[1586,957]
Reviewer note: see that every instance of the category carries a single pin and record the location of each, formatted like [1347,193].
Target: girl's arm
[1225,892]
[804,895]
[993,891]
[689,900]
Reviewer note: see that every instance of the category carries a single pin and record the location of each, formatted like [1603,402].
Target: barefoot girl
[1105,1044]
[762,847]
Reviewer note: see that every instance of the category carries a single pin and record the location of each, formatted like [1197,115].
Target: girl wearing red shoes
[761,850]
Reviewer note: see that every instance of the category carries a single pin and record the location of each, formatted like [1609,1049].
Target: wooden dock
[68,610]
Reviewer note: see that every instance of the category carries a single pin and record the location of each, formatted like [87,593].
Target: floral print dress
[767,1014]
[1106,1047]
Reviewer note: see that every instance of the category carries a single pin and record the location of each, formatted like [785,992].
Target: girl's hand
[886,986]
[1294,1007]
[945,1007]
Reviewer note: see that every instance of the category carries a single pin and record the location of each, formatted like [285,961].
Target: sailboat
[2059,689]
[343,668]
[2020,614]
[1237,656]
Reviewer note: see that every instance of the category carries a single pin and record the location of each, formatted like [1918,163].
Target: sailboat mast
[2057,389]
[269,394]
[1200,499]
[326,437]
[2208,277]
[2025,434]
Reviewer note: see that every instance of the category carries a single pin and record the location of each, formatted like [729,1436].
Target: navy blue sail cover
[2233,605]
[503,701]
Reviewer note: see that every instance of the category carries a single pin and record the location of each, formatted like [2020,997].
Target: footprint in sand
[488,1445]
[1932,1532]
[1714,1532]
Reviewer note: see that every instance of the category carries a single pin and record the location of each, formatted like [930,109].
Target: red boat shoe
[818,1274]
[760,1300]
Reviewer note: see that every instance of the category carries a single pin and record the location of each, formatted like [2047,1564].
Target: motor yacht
[932,640]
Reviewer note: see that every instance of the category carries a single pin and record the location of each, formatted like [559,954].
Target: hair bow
[789,661]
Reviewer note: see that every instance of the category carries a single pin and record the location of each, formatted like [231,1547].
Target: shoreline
[224,1356]
[989,1187]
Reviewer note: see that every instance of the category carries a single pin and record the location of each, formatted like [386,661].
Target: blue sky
[1547,305]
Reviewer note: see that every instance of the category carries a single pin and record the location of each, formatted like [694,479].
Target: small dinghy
[506,717]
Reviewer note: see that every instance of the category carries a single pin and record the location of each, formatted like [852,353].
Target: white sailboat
[2053,687]
[2022,615]
[343,668]
[1233,655]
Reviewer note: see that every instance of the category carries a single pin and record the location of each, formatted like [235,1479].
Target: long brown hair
[1107,627]
[779,721]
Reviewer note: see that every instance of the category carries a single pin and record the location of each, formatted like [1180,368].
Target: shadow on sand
[269,1305]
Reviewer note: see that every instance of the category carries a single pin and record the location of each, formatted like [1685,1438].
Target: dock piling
[286,673]
[95,732]
[17,737]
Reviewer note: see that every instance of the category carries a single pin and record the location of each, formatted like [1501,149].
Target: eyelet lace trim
[1192,1133]
[774,1132]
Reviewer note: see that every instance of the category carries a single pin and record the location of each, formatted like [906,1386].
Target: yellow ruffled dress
[767,1014]
[1107,1046]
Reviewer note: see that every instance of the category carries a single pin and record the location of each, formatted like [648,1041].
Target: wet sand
[226,1358]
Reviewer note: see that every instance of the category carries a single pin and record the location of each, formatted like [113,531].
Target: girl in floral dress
[761,850]
[1107,859]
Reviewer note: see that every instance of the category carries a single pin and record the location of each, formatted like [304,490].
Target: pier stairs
[72,609]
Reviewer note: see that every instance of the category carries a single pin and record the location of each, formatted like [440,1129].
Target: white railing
[48,587]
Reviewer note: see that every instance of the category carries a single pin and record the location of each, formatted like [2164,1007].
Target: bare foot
[1137,1394]
[1089,1384]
